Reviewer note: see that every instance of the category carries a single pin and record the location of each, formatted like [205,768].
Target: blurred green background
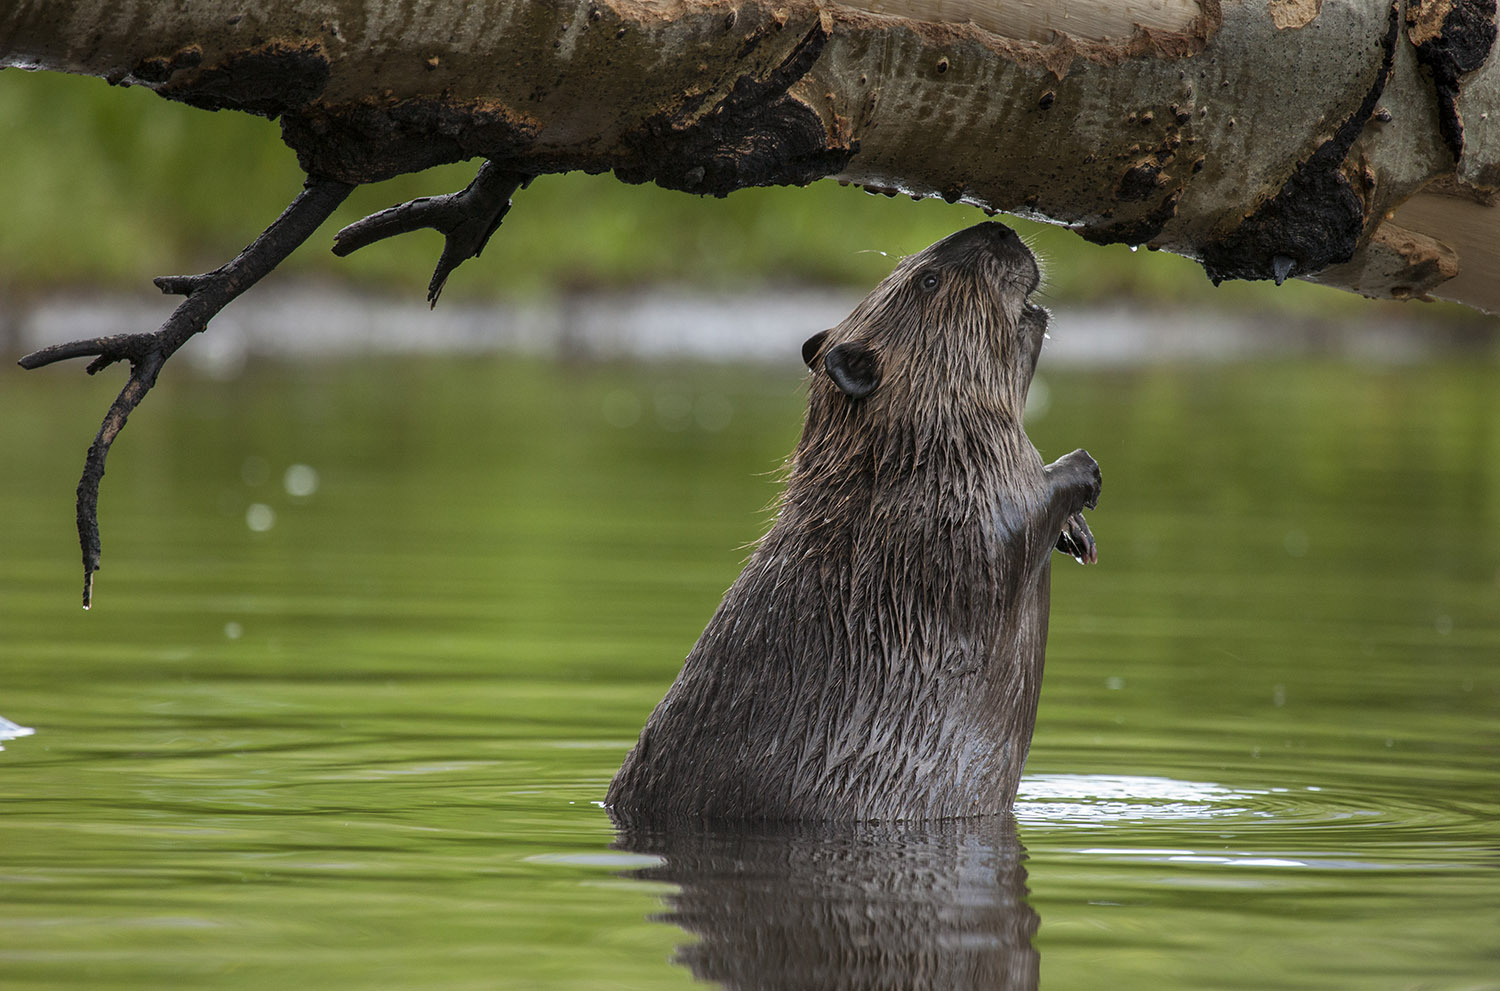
[111,186]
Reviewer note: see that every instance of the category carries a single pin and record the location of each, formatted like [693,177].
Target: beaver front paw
[1077,475]
[1077,540]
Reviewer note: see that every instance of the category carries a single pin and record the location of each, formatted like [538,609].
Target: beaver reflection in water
[881,654]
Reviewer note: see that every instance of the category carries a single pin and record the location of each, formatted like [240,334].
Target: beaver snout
[991,234]
[1000,242]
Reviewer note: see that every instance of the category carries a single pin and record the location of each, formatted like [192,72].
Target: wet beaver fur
[881,654]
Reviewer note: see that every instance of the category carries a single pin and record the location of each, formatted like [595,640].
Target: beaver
[880,656]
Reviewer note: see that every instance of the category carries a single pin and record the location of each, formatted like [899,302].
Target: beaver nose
[999,239]
[999,231]
[991,236]
[1007,246]
[994,233]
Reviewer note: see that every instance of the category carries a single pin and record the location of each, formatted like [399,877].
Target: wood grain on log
[1263,138]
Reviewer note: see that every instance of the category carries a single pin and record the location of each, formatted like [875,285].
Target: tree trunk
[1347,142]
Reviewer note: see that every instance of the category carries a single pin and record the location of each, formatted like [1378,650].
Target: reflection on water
[354,737]
[915,906]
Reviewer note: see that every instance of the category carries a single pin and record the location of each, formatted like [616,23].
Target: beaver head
[950,329]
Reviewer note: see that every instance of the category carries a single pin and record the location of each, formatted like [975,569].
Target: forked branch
[206,294]
[466,219]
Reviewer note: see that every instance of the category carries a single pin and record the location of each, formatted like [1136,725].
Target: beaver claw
[1077,540]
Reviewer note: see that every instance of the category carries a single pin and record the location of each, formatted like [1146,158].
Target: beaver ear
[854,368]
[810,347]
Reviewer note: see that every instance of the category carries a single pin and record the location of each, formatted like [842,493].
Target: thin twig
[466,219]
[206,294]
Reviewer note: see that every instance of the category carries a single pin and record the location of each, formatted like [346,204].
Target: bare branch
[207,294]
[466,220]
[117,347]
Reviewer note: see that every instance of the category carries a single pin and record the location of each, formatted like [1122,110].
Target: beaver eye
[929,281]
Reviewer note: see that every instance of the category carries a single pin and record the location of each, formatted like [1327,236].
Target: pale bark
[1347,142]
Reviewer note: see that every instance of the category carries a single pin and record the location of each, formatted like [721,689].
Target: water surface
[371,637]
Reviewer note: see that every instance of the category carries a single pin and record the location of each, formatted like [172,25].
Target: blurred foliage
[113,186]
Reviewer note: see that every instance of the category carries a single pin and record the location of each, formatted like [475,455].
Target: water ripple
[1102,799]
[1189,822]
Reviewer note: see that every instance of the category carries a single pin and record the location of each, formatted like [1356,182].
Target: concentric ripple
[1102,799]
[1190,822]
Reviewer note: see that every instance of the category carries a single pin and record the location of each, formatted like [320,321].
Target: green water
[359,744]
